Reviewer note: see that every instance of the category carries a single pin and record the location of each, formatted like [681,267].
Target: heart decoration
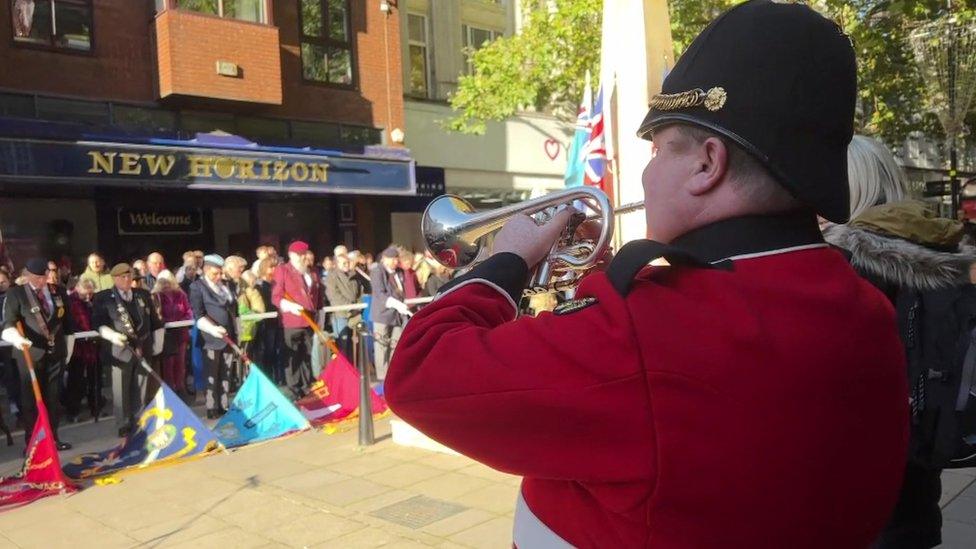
[552,148]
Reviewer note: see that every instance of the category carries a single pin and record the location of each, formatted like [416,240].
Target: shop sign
[146,221]
[204,168]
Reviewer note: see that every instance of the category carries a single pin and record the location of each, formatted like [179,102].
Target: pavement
[311,490]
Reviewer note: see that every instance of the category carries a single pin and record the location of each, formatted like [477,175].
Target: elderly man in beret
[41,310]
[132,331]
[296,292]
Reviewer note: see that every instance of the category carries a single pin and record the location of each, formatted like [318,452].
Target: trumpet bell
[443,226]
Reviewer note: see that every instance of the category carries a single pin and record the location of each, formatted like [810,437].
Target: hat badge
[713,99]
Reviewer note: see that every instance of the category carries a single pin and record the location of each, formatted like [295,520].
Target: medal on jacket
[573,305]
[130,331]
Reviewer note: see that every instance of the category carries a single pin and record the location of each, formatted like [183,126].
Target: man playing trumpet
[750,394]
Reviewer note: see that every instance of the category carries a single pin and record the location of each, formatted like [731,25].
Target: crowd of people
[129,304]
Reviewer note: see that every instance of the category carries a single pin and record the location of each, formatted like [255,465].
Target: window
[20,106]
[419,84]
[143,120]
[326,42]
[263,130]
[192,123]
[62,24]
[90,113]
[245,10]
[474,39]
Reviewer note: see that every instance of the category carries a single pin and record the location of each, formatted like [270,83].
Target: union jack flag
[596,148]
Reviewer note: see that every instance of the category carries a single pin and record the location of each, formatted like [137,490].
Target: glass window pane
[479,37]
[32,21]
[21,106]
[262,129]
[315,134]
[417,25]
[72,26]
[418,70]
[202,6]
[340,66]
[139,119]
[355,135]
[67,110]
[206,122]
[314,62]
[338,20]
[312,22]
[465,36]
[245,10]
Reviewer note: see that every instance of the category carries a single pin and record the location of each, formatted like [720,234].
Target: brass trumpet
[458,237]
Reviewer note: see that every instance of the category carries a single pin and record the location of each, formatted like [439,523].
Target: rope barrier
[252,316]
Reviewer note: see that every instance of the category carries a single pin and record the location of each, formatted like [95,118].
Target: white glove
[291,307]
[71,348]
[399,306]
[210,328]
[158,337]
[113,337]
[13,337]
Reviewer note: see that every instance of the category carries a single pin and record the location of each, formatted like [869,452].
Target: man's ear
[713,160]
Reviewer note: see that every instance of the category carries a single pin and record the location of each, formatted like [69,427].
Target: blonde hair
[873,175]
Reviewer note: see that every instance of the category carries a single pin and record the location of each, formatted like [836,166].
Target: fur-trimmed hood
[900,261]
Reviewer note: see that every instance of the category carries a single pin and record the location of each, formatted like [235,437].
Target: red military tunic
[761,405]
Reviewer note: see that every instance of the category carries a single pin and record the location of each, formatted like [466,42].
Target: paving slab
[310,490]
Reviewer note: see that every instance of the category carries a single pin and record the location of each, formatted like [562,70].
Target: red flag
[335,395]
[42,475]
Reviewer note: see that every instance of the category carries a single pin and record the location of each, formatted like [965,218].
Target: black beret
[36,266]
[780,80]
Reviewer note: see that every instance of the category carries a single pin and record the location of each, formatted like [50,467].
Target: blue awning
[33,151]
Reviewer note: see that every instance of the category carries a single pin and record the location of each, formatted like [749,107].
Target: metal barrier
[253,316]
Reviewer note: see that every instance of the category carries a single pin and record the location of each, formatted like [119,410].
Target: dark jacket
[915,258]
[343,289]
[142,314]
[16,308]
[383,288]
[221,311]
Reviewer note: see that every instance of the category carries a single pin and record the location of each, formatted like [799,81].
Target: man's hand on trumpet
[522,236]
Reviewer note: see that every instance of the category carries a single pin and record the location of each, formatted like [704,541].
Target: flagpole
[635,52]
[30,368]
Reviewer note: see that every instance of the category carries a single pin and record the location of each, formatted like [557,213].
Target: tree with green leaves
[544,67]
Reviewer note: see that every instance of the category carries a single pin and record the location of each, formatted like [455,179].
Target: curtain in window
[23,17]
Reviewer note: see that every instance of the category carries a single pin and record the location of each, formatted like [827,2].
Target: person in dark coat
[8,370]
[43,311]
[84,371]
[215,310]
[387,309]
[902,248]
[133,333]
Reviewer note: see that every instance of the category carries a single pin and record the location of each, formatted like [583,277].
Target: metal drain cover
[418,511]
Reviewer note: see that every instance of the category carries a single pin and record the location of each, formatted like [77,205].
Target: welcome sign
[149,221]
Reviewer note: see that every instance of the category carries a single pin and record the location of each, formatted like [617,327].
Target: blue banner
[255,168]
[168,430]
[259,412]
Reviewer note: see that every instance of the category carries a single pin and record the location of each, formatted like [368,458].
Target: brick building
[133,125]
